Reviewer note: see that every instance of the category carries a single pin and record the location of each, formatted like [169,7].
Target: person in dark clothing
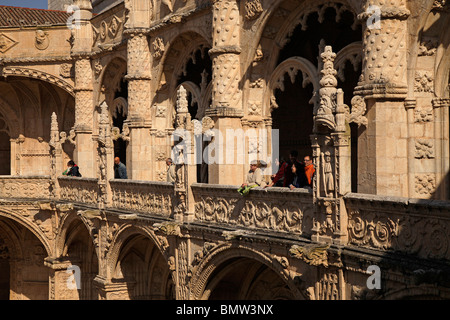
[289,175]
[299,178]
[73,169]
[278,178]
[120,171]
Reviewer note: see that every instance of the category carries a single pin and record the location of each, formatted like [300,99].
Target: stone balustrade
[25,187]
[277,209]
[145,197]
[412,226]
[78,190]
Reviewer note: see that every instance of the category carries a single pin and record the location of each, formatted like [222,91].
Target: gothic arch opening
[26,106]
[116,96]
[293,97]
[246,279]
[23,275]
[79,250]
[194,73]
[143,270]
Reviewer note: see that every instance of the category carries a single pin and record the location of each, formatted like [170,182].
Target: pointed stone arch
[290,67]
[179,53]
[138,260]
[223,259]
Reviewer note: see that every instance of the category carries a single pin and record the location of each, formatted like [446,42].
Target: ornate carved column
[84,106]
[105,154]
[331,157]
[62,280]
[226,109]
[383,84]
[185,166]
[56,165]
[139,151]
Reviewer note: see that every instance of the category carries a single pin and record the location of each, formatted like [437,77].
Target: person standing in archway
[120,170]
[309,170]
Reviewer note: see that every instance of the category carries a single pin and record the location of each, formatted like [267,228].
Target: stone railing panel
[277,209]
[413,226]
[27,187]
[75,189]
[143,196]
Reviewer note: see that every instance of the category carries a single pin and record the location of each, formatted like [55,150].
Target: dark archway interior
[294,115]
[199,71]
[247,279]
[120,146]
[305,43]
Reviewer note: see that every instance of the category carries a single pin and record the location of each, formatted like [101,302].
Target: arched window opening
[293,117]
[198,73]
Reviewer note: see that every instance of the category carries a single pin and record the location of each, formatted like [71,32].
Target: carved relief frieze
[25,188]
[152,198]
[79,190]
[372,228]
[6,42]
[410,228]
[251,213]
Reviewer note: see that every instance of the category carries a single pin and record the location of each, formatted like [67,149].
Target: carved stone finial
[182,102]
[54,123]
[328,71]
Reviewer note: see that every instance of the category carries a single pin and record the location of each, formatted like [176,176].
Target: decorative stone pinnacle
[182,102]
[328,72]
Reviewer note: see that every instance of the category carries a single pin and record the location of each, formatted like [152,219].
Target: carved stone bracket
[312,254]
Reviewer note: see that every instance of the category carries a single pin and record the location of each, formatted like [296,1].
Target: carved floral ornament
[253,9]
[158,48]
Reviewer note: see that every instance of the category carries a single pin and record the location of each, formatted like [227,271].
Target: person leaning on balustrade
[254,178]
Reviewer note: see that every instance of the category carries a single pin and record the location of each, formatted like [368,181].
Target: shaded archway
[141,267]
[23,275]
[229,273]
[188,64]
[26,106]
[80,251]
[293,86]
[246,279]
[115,94]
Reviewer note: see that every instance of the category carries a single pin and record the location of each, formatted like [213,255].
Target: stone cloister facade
[361,86]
